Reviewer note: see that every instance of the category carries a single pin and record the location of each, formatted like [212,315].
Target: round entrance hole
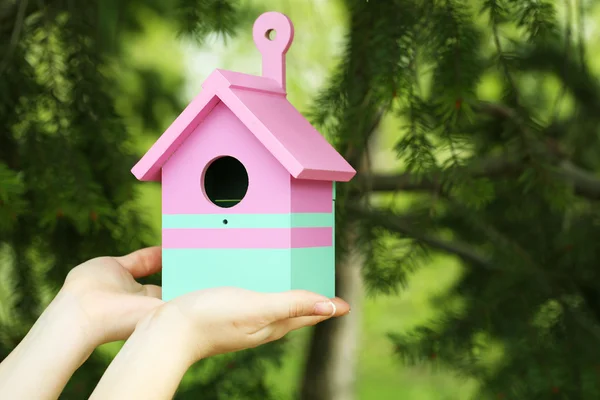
[225,182]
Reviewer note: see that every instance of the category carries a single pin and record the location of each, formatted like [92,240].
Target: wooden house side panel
[311,196]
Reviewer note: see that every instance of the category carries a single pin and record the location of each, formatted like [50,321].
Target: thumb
[143,262]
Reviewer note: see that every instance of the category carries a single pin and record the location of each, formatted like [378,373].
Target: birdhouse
[248,184]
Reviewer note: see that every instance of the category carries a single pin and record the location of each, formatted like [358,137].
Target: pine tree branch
[551,59]
[486,168]
[9,12]
[15,35]
[394,223]
[584,183]
[580,31]
[495,18]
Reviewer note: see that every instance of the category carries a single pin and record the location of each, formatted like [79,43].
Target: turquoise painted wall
[313,269]
[261,270]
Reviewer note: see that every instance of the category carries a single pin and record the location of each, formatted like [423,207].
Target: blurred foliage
[508,183]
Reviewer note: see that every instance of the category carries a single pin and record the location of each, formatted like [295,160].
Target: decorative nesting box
[248,184]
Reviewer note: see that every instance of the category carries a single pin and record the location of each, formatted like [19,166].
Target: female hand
[111,301]
[201,324]
[223,320]
[99,302]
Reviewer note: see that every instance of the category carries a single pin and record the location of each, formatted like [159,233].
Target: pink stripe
[276,238]
[312,237]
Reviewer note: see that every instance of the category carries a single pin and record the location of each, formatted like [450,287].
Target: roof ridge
[262,106]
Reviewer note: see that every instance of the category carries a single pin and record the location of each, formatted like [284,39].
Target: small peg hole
[225,222]
[271,34]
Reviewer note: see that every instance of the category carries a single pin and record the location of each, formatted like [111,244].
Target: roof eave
[149,166]
[327,175]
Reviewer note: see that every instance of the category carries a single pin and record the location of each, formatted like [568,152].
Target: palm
[110,297]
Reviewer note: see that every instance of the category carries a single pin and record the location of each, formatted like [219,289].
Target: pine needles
[499,185]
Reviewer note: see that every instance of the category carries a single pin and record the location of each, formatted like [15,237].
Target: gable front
[222,134]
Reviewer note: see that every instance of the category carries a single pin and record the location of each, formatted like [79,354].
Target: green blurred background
[155,62]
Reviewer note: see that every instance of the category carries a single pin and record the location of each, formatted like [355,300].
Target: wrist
[152,362]
[168,327]
[64,324]
[51,351]
[67,310]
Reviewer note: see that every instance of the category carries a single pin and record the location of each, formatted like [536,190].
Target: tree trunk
[329,371]
[330,366]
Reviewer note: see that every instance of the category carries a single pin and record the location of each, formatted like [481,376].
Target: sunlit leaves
[12,202]
[199,18]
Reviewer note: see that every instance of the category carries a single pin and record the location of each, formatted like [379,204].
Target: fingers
[142,262]
[342,308]
[282,327]
[300,303]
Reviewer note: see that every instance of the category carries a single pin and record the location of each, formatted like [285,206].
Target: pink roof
[261,104]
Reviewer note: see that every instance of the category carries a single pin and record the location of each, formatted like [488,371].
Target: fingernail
[325,308]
